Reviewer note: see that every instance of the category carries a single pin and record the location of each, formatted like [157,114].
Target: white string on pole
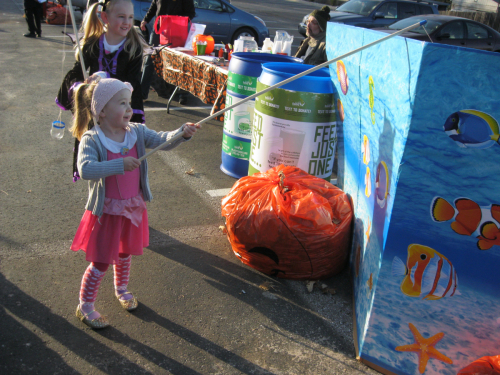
[85,74]
[288,80]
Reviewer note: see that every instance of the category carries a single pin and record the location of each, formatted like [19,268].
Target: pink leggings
[103,267]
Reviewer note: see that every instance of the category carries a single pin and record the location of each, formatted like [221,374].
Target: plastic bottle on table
[267,47]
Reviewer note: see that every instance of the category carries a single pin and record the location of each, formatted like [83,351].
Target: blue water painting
[419,155]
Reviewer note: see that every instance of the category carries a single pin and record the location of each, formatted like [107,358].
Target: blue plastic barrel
[295,124]
[243,72]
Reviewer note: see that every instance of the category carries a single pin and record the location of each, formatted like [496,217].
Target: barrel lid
[318,81]
[250,63]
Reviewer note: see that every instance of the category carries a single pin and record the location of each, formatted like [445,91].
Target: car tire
[244,31]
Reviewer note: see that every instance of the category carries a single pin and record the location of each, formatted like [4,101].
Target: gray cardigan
[93,164]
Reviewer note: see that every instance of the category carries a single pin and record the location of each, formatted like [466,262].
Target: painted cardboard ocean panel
[339,43]
[437,139]
[345,76]
[375,126]
[453,96]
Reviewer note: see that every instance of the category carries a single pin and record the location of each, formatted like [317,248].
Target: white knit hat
[106,88]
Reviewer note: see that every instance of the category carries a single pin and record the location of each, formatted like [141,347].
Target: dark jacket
[318,54]
[183,8]
[126,70]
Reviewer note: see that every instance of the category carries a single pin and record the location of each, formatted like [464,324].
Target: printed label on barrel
[308,144]
[295,105]
[235,148]
[240,84]
[238,121]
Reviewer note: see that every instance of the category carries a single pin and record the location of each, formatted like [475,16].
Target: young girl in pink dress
[115,224]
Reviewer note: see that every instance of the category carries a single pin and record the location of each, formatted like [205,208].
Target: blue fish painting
[472,128]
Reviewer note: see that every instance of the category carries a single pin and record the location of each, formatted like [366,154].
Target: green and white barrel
[295,124]
[243,72]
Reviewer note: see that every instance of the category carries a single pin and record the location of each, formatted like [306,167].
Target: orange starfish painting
[424,348]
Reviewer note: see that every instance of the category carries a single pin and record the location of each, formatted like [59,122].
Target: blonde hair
[82,115]
[92,29]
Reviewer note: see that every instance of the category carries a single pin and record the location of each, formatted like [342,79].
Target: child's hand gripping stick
[188,131]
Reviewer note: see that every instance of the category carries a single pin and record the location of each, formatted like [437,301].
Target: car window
[208,4]
[454,29]
[424,9]
[362,7]
[406,10]
[475,31]
[430,26]
[389,10]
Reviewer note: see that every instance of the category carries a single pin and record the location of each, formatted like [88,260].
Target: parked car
[377,13]
[454,31]
[224,21]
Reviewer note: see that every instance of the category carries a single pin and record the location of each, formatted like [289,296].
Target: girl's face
[119,19]
[117,112]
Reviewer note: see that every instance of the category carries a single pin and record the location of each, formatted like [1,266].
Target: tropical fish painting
[472,128]
[427,273]
[382,184]
[368,183]
[368,230]
[340,109]
[371,98]
[470,219]
[365,150]
[342,76]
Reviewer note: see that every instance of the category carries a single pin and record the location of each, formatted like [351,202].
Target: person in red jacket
[183,8]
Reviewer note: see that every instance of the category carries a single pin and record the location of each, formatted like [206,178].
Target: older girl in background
[111,45]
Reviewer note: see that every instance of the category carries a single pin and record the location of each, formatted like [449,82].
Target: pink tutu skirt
[103,239]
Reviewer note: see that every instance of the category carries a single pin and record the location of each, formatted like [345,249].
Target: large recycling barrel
[243,72]
[295,124]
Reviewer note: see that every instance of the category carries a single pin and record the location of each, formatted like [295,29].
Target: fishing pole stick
[85,74]
[288,80]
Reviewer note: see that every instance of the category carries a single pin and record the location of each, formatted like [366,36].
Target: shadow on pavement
[23,317]
[286,310]
[193,338]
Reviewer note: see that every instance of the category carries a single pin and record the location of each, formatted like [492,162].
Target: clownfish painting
[427,273]
[382,184]
[342,76]
[472,128]
[470,219]
[365,150]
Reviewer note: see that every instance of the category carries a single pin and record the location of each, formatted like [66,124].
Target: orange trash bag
[483,366]
[288,223]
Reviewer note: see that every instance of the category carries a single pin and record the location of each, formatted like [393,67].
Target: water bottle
[57,130]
